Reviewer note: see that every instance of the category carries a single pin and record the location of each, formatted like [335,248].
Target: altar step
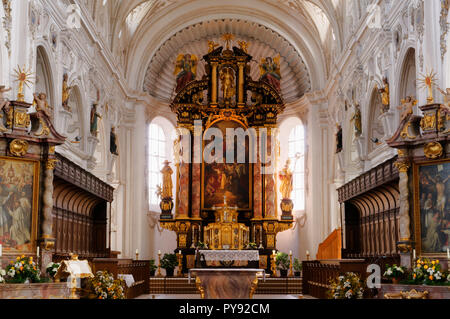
[272,286]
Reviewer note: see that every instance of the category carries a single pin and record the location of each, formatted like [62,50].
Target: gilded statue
[446,105]
[167,181]
[212,46]
[406,107]
[42,105]
[356,118]
[66,93]
[244,46]
[4,106]
[185,70]
[228,85]
[385,95]
[270,71]
[286,179]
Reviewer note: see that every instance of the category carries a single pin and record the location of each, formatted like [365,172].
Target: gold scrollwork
[51,163]
[404,248]
[254,287]
[405,132]
[198,284]
[44,131]
[18,147]
[21,119]
[433,150]
[403,167]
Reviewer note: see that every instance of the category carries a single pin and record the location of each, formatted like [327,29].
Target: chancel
[273,149]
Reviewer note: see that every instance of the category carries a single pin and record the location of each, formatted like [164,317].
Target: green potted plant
[252,246]
[169,262]
[395,273]
[282,262]
[52,269]
[297,267]
[153,267]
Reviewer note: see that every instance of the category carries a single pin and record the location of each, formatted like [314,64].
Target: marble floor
[179,296]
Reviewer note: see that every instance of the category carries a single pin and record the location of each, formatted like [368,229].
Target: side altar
[226,148]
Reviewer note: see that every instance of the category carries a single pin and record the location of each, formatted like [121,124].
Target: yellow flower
[426,266]
[23,256]
[18,258]
[419,265]
[433,262]
[31,258]
[434,267]
[415,276]
[431,277]
[437,261]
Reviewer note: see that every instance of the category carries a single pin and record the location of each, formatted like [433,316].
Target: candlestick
[260,238]
[159,264]
[180,264]
[307,255]
[273,265]
[291,272]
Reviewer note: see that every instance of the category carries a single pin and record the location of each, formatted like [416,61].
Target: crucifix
[228,37]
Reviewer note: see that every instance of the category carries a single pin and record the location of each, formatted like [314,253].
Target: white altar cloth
[129,279]
[230,255]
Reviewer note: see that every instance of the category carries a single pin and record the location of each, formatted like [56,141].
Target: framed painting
[432,207]
[233,180]
[19,191]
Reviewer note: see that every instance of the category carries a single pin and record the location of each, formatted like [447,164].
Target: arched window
[156,158]
[296,153]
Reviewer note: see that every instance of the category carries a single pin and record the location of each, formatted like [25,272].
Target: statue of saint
[66,94]
[94,120]
[4,106]
[42,104]
[167,181]
[113,142]
[270,72]
[338,138]
[286,181]
[357,120]
[406,107]
[228,87]
[446,105]
[385,95]
[185,70]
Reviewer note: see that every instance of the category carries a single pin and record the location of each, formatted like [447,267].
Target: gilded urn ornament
[18,147]
[433,150]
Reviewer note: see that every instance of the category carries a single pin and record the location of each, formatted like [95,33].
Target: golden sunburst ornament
[23,77]
[228,37]
[427,81]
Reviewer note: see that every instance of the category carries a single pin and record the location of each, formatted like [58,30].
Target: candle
[159,252]
[448,253]
[307,253]
[179,252]
[37,251]
[1,250]
[414,254]
[290,252]
[273,252]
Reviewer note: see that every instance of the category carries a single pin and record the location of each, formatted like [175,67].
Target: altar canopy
[225,155]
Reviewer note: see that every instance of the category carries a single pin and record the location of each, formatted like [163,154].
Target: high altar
[225,204]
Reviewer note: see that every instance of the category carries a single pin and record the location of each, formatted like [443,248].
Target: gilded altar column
[404,220]
[182,208]
[241,85]
[214,84]
[269,171]
[196,171]
[257,182]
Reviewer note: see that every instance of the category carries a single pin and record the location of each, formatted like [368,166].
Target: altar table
[230,255]
[226,283]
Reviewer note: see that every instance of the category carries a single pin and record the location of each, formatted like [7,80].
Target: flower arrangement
[52,269]
[106,287]
[395,272]
[282,261]
[2,276]
[22,270]
[428,272]
[252,246]
[347,286]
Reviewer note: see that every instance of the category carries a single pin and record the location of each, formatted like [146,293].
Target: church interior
[198,149]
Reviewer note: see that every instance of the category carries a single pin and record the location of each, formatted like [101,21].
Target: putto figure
[406,107]
[446,105]
[4,106]
[42,104]
[185,70]
[270,72]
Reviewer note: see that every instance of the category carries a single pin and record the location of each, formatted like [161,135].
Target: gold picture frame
[7,184]
[417,198]
[249,166]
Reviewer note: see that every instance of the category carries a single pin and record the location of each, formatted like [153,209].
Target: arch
[375,126]
[44,75]
[407,76]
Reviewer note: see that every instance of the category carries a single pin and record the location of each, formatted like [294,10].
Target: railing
[331,247]
[317,274]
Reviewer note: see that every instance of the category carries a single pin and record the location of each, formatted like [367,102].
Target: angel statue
[228,87]
[185,70]
[286,181]
[212,46]
[406,107]
[446,105]
[66,94]
[244,46]
[40,100]
[270,71]
[4,106]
